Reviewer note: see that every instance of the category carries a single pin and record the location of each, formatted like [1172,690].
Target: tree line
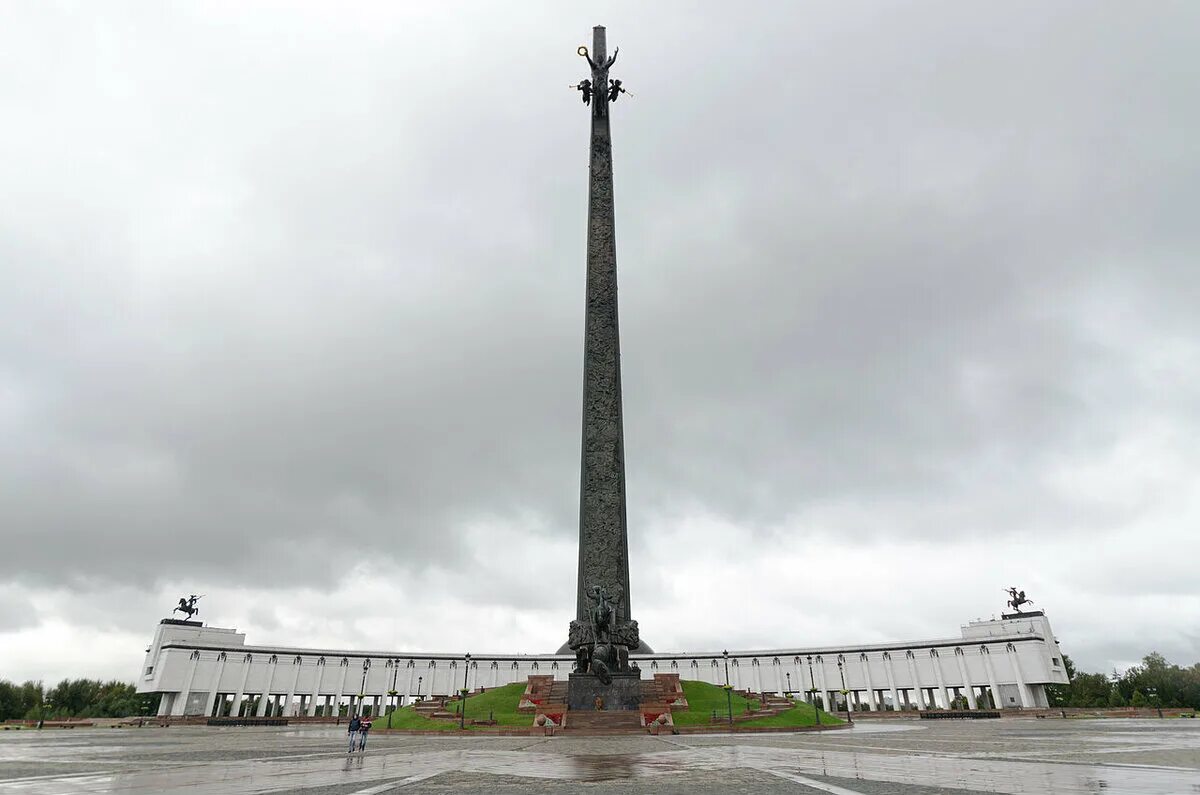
[74,698]
[1153,683]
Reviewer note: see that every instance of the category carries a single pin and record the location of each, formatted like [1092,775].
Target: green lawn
[703,698]
[500,702]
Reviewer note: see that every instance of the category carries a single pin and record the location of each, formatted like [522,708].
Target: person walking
[364,726]
[353,730]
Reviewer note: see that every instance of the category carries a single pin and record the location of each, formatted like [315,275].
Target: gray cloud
[284,296]
[16,611]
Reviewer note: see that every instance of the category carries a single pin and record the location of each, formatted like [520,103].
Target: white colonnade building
[210,671]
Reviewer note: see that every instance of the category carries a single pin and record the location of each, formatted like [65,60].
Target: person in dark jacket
[363,728]
[353,730]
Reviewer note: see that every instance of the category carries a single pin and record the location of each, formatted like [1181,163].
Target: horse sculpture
[1017,599]
[188,606]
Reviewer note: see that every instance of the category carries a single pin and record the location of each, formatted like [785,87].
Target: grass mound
[501,703]
[704,698]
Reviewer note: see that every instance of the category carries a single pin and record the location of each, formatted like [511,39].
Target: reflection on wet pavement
[396,763]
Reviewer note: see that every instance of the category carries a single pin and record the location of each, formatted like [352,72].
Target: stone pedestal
[1013,616]
[624,692]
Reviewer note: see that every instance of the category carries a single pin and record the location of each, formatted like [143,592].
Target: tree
[10,700]
[84,698]
[1115,699]
[70,697]
[1085,690]
[1089,690]
[1138,699]
[19,701]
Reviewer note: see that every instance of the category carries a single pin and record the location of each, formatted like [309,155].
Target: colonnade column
[235,710]
[866,667]
[212,694]
[936,661]
[824,690]
[891,677]
[916,680]
[291,694]
[1016,665]
[181,700]
[997,701]
[266,694]
[966,680]
[316,692]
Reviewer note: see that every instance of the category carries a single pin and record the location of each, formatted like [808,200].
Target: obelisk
[602,645]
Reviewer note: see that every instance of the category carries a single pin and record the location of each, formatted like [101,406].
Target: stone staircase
[772,705]
[616,721]
[769,704]
[435,708]
[658,695]
[665,690]
[544,696]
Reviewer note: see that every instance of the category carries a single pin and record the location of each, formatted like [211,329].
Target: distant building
[211,671]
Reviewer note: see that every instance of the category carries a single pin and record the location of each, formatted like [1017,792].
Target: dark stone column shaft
[603,535]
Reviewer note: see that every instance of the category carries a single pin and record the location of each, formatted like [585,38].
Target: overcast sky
[291,313]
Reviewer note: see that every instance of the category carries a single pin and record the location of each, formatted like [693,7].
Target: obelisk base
[624,692]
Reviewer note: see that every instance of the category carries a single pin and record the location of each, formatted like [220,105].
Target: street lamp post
[419,678]
[462,707]
[362,688]
[812,692]
[845,692]
[789,678]
[728,688]
[392,694]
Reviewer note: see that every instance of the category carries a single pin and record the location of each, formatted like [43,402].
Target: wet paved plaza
[914,758]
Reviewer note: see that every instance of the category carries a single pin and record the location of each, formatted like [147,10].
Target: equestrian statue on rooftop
[1017,598]
[188,606]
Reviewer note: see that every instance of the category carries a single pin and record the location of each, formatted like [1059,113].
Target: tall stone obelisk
[603,535]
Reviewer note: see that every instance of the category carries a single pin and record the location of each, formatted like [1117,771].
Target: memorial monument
[603,632]
[212,671]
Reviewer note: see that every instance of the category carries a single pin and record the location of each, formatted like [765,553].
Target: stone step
[587,720]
